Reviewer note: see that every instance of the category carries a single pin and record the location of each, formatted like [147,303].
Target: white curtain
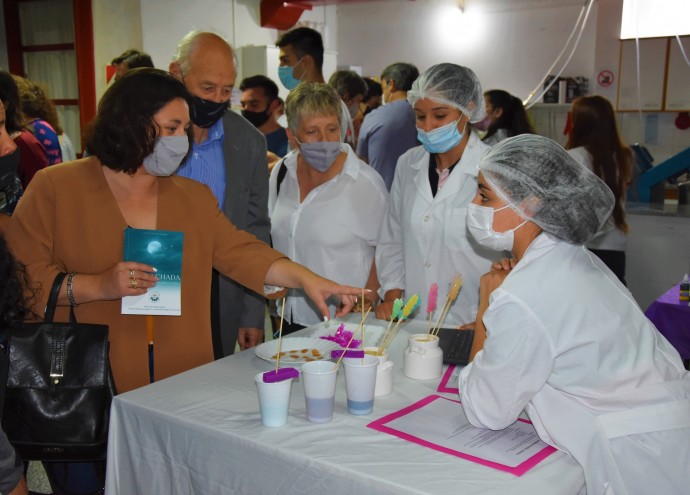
[51,22]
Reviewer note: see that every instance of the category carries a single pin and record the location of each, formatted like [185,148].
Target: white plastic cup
[384,372]
[274,401]
[319,389]
[360,384]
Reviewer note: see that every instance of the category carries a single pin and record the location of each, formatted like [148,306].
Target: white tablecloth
[200,433]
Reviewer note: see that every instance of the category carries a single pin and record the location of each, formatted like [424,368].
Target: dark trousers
[615,260]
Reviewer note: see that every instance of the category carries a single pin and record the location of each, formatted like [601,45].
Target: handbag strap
[52,299]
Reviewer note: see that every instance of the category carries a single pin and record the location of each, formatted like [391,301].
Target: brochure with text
[440,424]
[161,249]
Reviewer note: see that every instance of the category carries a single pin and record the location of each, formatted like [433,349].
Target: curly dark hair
[13,304]
[36,104]
[124,131]
[9,94]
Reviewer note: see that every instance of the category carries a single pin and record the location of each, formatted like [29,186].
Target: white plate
[372,333]
[292,350]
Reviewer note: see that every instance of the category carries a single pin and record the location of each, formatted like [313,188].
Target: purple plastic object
[342,337]
[281,375]
[349,354]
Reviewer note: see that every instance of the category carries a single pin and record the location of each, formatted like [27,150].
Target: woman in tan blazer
[72,219]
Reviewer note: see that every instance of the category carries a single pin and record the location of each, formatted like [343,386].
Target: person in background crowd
[259,102]
[389,131]
[32,101]
[40,106]
[595,142]
[10,186]
[301,59]
[326,205]
[32,154]
[229,156]
[374,97]
[280,109]
[352,89]
[565,340]
[371,100]
[130,59]
[424,239]
[12,312]
[505,117]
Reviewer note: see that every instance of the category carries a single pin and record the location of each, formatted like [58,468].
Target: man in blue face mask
[301,60]
[229,155]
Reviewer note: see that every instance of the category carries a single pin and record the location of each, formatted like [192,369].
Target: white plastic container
[423,358]
[384,372]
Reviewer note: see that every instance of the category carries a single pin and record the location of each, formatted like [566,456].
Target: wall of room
[509,44]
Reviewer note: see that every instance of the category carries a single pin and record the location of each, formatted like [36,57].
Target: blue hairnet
[452,85]
[546,185]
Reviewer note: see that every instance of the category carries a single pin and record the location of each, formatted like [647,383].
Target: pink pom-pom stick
[280,375]
[433,298]
[337,354]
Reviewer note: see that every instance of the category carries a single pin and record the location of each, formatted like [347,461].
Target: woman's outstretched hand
[286,273]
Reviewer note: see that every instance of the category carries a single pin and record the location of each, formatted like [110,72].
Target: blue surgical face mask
[320,155]
[167,155]
[286,77]
[441,139]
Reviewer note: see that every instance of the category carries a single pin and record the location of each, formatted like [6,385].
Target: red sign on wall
[605,78]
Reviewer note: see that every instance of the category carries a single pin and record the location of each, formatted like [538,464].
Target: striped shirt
[206,163]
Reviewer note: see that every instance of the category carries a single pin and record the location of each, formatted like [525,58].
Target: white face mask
[480,221]
[167,155]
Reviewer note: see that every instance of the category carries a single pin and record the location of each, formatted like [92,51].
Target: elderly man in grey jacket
[229,155]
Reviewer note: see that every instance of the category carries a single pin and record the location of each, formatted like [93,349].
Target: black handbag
[59,388]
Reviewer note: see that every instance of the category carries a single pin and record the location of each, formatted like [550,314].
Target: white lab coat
[424,239]
[567,342]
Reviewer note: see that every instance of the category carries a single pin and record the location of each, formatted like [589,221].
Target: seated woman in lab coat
[424,240]
[565,339]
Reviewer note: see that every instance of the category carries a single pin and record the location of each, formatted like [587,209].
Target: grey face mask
[321,154]
[167,155]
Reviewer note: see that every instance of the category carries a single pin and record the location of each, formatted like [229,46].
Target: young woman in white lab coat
[424,239]
[564,338]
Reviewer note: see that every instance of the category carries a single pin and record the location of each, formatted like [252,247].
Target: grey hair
[402,74]
[310,99]
[186,44]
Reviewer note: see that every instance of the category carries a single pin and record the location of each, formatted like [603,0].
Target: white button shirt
[424,239]
[333,232]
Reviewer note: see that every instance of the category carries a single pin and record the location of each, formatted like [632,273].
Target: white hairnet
[453,85]
[546,185]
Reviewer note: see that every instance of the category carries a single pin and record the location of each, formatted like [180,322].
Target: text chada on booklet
[161,249]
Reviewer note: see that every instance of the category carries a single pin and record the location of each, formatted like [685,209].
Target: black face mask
[257,119]
[205,113]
